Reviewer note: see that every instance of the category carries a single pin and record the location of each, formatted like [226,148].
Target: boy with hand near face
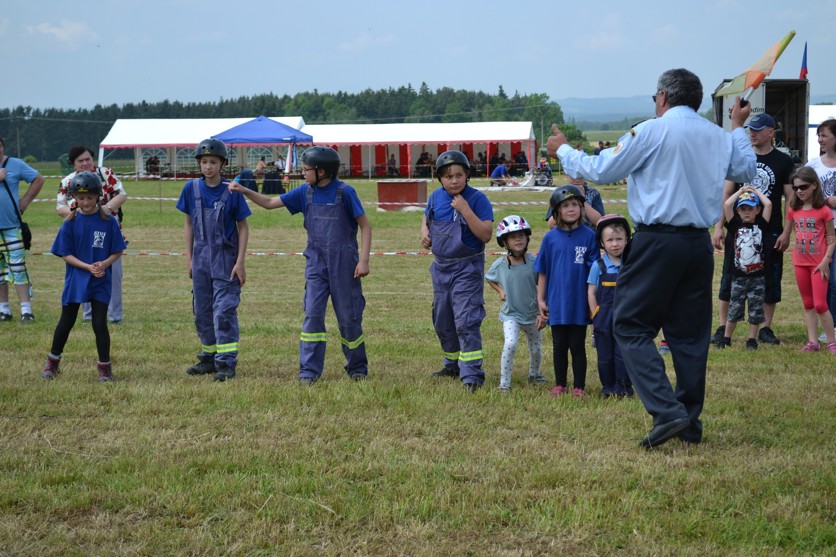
[751,245]
[216,234]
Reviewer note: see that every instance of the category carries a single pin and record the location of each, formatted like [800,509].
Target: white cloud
[600,42]
[72,32]
[665,33]
[365,41]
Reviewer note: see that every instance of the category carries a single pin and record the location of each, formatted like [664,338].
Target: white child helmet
[509,225]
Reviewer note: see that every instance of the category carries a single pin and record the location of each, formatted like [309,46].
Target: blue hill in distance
[613,109]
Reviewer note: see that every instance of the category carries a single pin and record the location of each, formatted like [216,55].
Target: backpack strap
[11,197]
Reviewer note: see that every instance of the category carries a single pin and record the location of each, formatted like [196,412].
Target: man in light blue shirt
[676,165]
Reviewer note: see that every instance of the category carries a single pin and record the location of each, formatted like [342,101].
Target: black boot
[205,364]
[224,372]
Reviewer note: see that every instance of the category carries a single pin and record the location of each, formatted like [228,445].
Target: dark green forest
[46,133]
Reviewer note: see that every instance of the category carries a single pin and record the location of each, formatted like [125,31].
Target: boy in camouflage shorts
[751,243]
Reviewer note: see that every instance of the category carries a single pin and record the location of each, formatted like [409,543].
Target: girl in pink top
[812,222]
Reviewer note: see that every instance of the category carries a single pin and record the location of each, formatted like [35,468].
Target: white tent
[374,134]
[466,136]
[170,133]
[407,140]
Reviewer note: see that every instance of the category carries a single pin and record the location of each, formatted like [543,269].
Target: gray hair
[681,87]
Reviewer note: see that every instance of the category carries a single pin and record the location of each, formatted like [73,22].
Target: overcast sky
[79,54]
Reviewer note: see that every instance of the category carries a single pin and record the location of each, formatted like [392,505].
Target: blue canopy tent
[265,131]
[262,131]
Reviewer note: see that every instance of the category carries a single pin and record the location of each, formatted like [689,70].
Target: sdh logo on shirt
[580,252]
[99,238]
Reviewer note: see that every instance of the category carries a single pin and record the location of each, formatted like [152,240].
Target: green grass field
[594,136]
[161,463]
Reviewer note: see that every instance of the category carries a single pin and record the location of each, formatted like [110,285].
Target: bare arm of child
[782,242]
[257,198]
[788,227]
[592,298]
[766,212]
[591,214]
[482,229]
[498,289]
[188,235]
[238,270]
[76,262]
[365,226]
[99,267]
[541,296]
[830,241]
[426,241]
[728,204]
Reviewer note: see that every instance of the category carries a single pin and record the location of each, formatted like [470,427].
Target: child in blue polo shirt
[612,234]
[334,264]
[216,234]
[456,225]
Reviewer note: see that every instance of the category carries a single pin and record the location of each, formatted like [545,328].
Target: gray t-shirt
[520,285]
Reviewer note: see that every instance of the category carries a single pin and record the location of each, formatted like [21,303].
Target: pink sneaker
[831,347]
[579,393]
[51,368]
[811,347]
[559,390]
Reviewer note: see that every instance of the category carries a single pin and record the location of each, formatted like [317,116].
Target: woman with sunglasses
[813,253]
[825,167]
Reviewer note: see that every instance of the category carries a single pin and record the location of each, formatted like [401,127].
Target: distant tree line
[46,133]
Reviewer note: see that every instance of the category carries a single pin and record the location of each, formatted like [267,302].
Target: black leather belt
[669,228]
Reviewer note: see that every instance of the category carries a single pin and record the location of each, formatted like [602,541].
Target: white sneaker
[823,336]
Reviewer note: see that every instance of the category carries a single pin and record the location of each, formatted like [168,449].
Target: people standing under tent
[12,253]
[673,196]
[246,178]
[456,225]
[112,198]
[216,234]
[89,241]
[392,167]
[334,264]
[261,166]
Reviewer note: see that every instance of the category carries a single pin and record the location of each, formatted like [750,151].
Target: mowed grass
[161,463]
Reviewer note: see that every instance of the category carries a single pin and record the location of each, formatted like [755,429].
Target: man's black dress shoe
[664,432]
